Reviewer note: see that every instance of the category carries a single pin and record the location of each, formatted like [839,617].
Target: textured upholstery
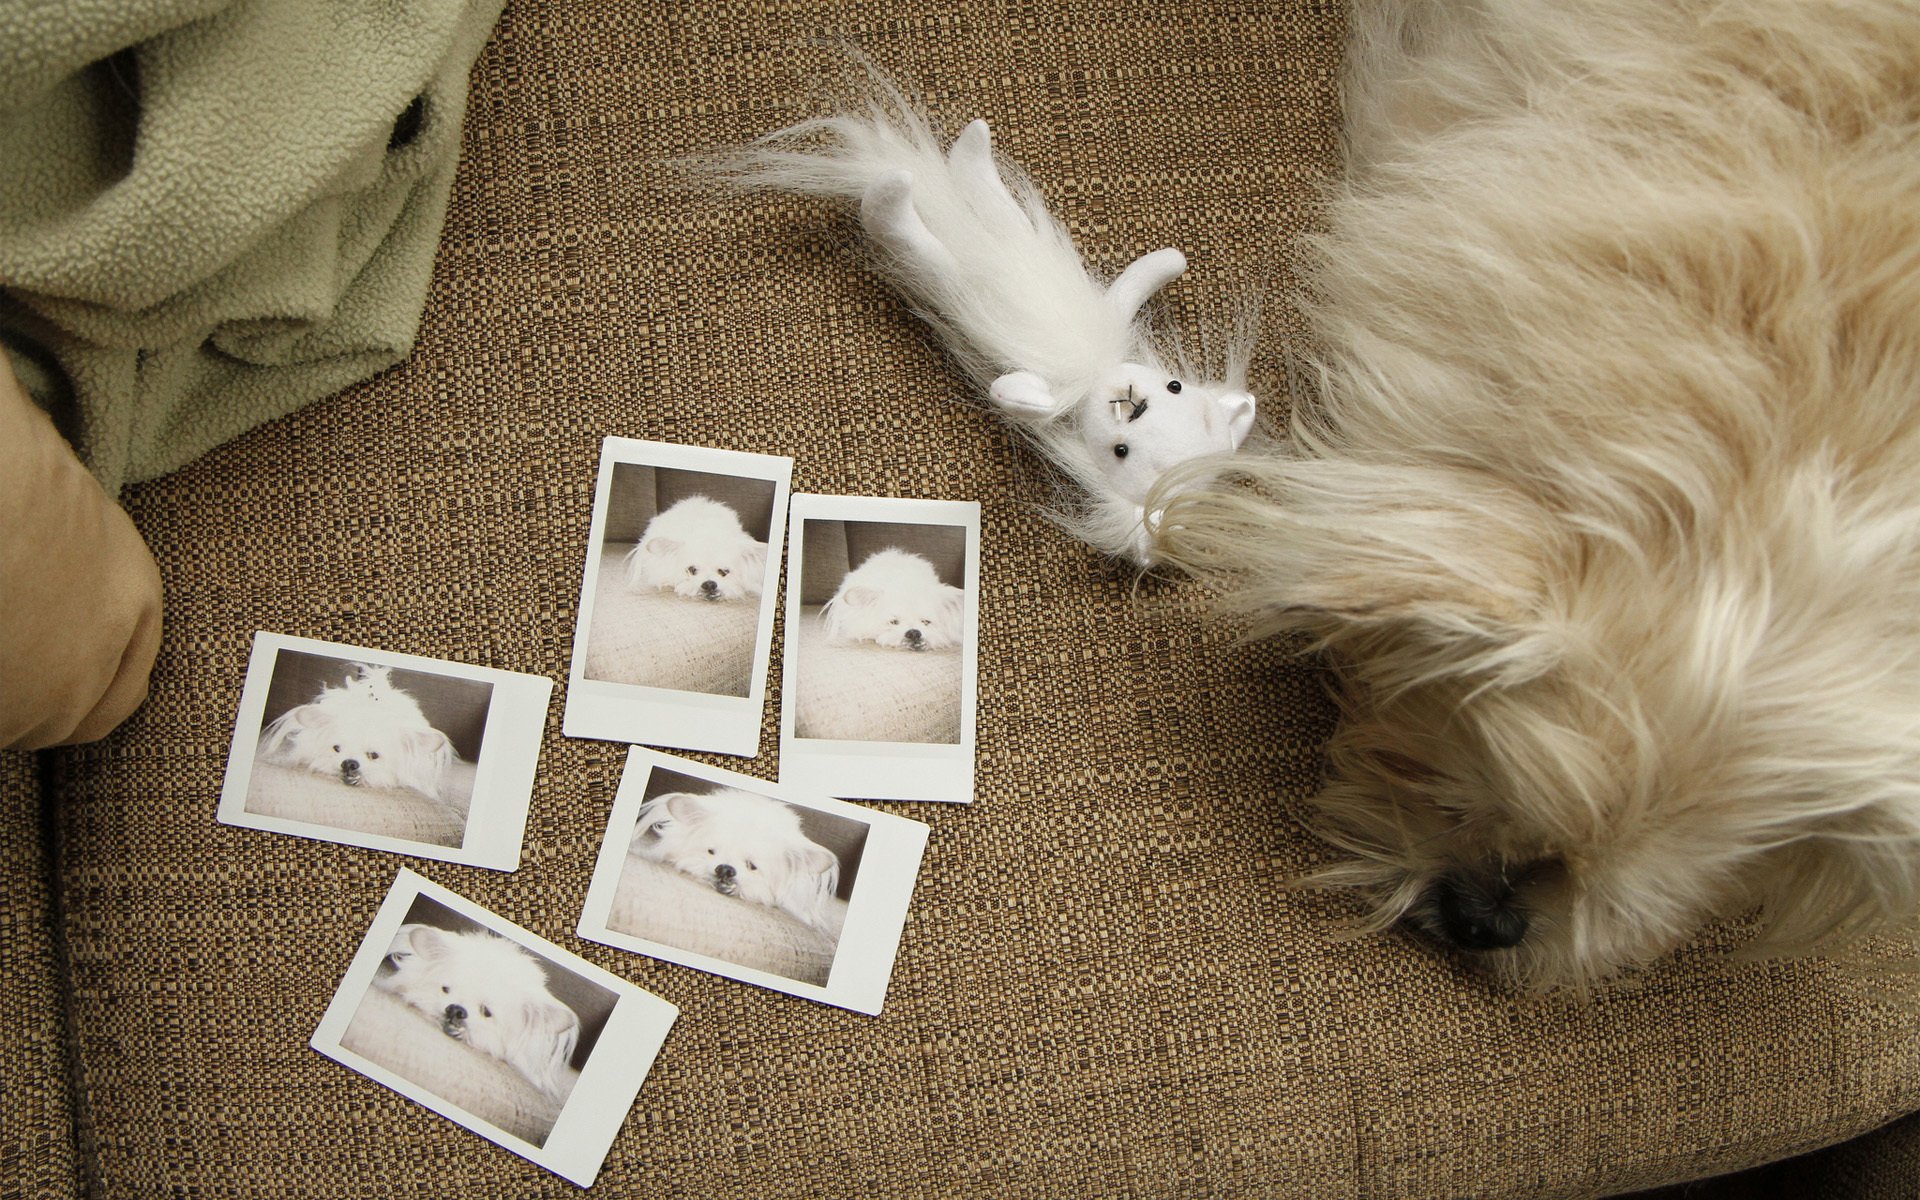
[1105,986]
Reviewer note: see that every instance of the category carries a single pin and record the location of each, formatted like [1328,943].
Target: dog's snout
[724,871]
[1478,916]
[913,636]
[349,765]
[708,587]
[456,1012]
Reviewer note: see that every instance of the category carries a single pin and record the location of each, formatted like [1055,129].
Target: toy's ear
[1239,408]
[1023,394]
[661,544]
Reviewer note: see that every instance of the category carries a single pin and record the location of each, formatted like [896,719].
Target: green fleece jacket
[215,211]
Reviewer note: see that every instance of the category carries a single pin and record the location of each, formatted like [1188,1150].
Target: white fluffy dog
[365,732]
[741,845]
[697,549]
[489,993]
[895,598]
[1607,507]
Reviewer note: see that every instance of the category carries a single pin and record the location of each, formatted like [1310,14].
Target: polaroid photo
[746,879]
[388,751]
[677,598]
[881,670]
[494,1028]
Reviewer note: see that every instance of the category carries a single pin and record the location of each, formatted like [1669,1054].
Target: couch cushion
[1104,985]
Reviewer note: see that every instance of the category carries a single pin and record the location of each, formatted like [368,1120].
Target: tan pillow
[79,592]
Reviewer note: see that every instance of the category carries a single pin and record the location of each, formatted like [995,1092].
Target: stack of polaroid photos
[785,885]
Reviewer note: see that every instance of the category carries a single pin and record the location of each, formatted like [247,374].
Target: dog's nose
[913,636]
[349,765]
[456,1013]
[708,587]
[1478,916]
[724,871]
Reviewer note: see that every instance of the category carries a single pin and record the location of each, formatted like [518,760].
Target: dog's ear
[953,603]
[660,543]
[541,1042]
[1424,573]
[811,878]
[277,740]
[753,559]
[408,941]
[860,596]
[428,755]
[683,806]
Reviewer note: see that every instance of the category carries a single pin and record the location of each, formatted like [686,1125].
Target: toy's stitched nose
[1478,916]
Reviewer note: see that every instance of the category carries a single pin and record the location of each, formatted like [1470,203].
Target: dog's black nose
[456,1013]
[349,766]
[724,871]
[913,636]
[708,587]
[1478,916]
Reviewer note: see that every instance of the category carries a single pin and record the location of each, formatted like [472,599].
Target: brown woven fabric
[37,1151]
[1103,988]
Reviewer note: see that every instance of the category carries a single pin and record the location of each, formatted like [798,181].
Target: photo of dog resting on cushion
[745,878]
[369,748]
[479,1021]
[883,612]
[682,567]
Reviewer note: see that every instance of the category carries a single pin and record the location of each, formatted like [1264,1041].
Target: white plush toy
[1067,358]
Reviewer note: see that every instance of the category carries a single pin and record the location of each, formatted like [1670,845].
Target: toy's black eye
[1120,451]
[1173,385]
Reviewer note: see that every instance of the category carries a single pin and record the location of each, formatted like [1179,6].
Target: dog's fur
[894,598]
[487,992]
[1607,507]
[698,550]
[743,845]
[363,732]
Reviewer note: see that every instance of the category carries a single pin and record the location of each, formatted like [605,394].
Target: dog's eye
[723,572]
[895,621]
[693,570]
[485,1011]
[336,749]
[926,620]
[1173,385]
[709,853]
[445,990]
[751,867]
[373,754]
[1120,451]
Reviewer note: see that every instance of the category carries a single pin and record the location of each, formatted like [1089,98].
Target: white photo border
[632,713]
[858,770]
[599,1102]
[876,912]
[503,778]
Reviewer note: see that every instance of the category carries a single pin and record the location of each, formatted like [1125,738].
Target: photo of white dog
[1606,506]
[736,876]
[742,845]
[363,732]
[895,599]
[698,550]
[675,596]
[484,991]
